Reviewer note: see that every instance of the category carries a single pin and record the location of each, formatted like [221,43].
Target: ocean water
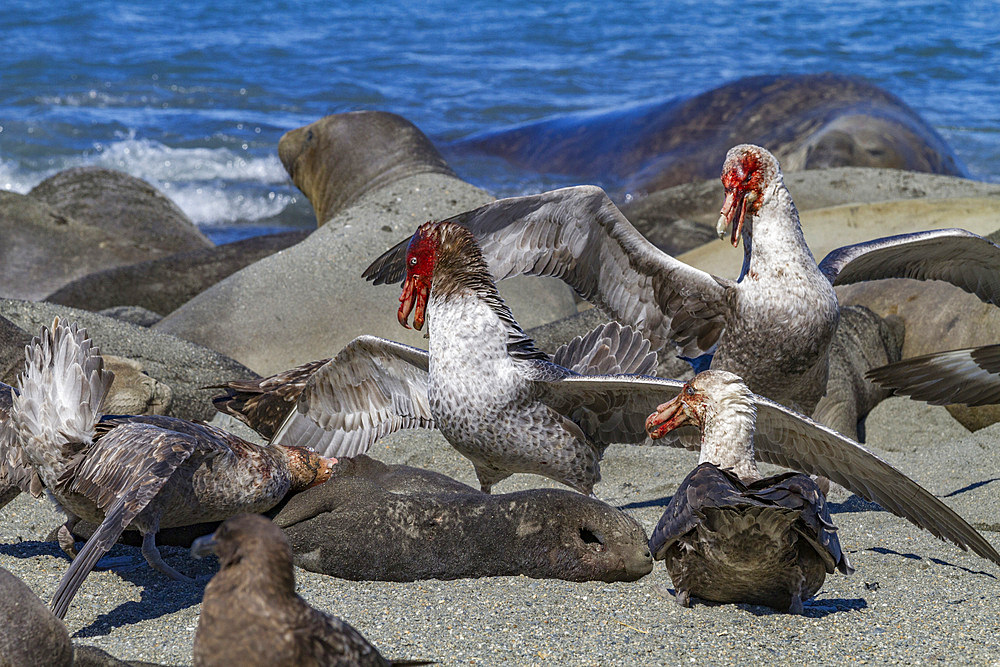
[193,95]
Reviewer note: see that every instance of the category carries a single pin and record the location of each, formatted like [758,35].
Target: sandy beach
[914,599]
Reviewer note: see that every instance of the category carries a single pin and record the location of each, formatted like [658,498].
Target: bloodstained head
[747,171]
[421,256]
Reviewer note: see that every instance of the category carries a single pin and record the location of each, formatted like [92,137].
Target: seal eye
[413,261]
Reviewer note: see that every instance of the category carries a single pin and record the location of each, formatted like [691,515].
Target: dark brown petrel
[147,472]
[729,535]
[251,615]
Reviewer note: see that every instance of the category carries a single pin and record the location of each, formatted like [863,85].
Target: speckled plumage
[480,384]
[612,408]
[486,380]
[251,615]
[147,472]
[729,536]
[773,326]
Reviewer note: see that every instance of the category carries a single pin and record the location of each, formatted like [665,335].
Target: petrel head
[746,174]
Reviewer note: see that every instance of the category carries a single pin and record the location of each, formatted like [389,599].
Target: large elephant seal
[395,523]
[84,220]
[309,301]
[340,157]
[807,121]
[681,217]
[165,284]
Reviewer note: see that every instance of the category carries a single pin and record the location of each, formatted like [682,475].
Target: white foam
[212,205]
[211,185]
[153,161]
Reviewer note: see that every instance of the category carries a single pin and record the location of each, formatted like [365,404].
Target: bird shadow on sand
[889,552]
[812,608]
[970,487]
[159,595]
[642,504]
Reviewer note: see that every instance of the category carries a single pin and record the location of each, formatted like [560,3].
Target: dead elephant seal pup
[396,523]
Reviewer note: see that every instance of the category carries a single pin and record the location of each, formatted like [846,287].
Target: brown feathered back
[251,615]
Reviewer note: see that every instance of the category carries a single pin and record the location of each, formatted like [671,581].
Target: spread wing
[609,408]
[263,404]
[122,473]
[961,258]
[577,234]
[373,387]
[783,437]
[788,439]
[970,376]
[16,474]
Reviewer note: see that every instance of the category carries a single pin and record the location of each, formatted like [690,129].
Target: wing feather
[373,387]
[577,234]
[122,473]
[788,439]
[783,437]
[970,376]
[962,258]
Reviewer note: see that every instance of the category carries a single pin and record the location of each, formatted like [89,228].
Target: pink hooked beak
[416,290]
[668,416]
[736,202]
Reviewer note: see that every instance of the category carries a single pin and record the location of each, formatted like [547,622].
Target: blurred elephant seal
[133,391]
[124,205]
[372,521]
[808,121]
[336,159]
[165,284]
[42,249]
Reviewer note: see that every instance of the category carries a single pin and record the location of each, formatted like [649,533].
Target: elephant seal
[133,391]
[680,218]
[396,523]
[187,369]
[309,301]
[336,159]
[123,205]
[807,121]
[43,249]
[164,284]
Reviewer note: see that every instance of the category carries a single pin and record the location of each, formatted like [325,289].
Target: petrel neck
[773,240]
[460,273]
[727,438]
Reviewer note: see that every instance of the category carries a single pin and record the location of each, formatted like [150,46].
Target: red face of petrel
[685,408]
[421,255]
[743,180]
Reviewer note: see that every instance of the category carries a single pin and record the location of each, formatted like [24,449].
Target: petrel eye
[413,261]
[688,390]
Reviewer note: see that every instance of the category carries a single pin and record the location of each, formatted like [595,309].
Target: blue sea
[193,95]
